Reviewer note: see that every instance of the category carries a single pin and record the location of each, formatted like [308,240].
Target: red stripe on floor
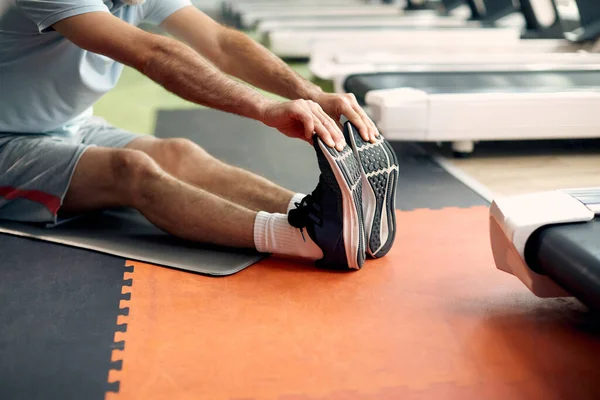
[49,201]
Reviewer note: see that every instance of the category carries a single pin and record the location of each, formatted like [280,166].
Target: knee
[131,169]
[181,155]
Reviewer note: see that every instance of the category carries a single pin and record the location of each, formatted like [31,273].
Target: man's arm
[184,72]
[169,63]
[238,55]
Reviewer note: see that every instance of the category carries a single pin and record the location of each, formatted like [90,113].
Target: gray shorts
[35,170]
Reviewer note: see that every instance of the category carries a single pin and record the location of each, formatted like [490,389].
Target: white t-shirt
[48,84]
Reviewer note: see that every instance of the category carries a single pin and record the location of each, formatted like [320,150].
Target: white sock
[273,234]
[297,198]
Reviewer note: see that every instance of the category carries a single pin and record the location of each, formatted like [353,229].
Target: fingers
[325,135]
[357,121]
[373,131]
[355,114]
[329,124]
[315,120]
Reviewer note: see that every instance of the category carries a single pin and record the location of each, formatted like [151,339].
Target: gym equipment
[550,241]
[235,7]
[581,22]
[442,17]
[236,11]
[447,7]
[265,27]
[348,59]
[338,58]
[290,44]
[421,4]
[464,107]
[541,20]
[297,42]
[249,19]
[468,99]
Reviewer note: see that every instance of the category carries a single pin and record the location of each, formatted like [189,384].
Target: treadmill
[492,27]
[550,241]
[245,14]
[250,17]
[405,20]
[233,7]
[465,103]
[452,15]
[336,60]
[582,23]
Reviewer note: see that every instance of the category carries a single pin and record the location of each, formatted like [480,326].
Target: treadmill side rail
[514,219]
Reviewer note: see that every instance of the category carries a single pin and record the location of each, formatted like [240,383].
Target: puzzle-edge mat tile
[434,319]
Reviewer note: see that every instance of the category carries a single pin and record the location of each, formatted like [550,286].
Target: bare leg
[190,163]
[119,177]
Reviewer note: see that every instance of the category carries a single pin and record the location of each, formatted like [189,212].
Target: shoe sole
[346,170]
[379,170]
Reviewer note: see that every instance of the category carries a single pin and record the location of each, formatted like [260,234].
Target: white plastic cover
[409,114]
[514,219]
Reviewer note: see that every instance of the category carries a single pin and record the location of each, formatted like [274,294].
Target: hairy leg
[192,164]
[107,178]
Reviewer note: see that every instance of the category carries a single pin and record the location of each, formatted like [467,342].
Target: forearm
[183,72]
[242,57]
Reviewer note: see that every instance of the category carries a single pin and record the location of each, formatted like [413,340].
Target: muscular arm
[181,70]
[238,55]
[166,61]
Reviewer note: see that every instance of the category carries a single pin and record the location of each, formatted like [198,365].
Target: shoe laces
[307,211]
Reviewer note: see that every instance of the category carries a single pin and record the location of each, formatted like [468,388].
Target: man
[58,57]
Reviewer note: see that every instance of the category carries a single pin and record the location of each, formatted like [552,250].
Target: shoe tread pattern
[348,165]
[380,165]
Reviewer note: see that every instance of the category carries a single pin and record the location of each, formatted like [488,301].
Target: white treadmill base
[413,115]
[512,222]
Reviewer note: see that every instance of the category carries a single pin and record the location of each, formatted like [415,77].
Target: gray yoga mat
[291,163]
[126,233]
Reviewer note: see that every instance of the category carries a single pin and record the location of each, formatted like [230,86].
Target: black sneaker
[379,170]
[332,213]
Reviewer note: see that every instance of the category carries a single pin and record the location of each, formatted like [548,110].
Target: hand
[336,105]
[302,119]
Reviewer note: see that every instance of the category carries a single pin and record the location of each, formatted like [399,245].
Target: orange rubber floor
[432,320]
